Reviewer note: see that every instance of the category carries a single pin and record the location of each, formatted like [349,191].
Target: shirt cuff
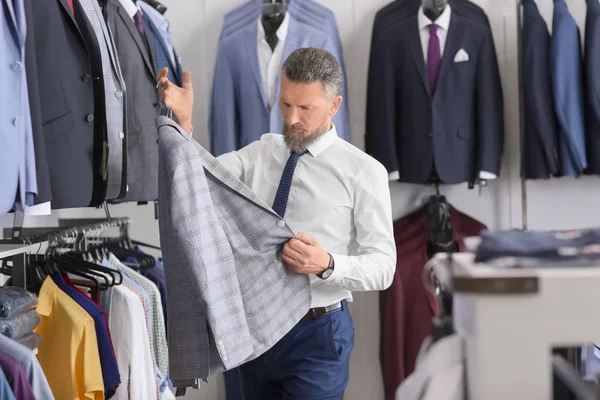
[394,176]
[39,209]
[487,175]
[340,269]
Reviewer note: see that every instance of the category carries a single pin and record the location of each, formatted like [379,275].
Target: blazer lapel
[67,9]
[414,40]
[137,37]
[251,47]
[177,70]
[150,25]
[13,19]
[455,34]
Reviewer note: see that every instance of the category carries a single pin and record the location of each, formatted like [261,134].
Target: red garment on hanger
[406,308]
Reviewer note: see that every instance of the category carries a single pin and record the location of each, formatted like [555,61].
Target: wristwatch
[327,273]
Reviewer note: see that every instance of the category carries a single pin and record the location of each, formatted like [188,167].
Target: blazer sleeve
[380,138]
[568,90]
[342,118]
[537,92]
[223,121]
[490,109]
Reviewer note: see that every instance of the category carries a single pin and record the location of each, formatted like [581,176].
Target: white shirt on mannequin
[269,61]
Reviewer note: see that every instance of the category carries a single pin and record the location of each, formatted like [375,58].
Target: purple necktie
[434,58]
[139,22]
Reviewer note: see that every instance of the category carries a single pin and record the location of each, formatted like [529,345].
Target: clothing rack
[519,4]
[34,238]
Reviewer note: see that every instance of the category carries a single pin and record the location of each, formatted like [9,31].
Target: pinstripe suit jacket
[230,297]
[114,94]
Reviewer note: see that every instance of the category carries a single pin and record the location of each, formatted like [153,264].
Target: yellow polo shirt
[68,353]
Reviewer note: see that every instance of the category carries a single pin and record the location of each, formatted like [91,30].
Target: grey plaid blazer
[114,94]
[229,295]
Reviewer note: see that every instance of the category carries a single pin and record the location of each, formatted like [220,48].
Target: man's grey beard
[297,140]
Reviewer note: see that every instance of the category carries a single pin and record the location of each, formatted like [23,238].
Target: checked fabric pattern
[285,184]
[231,298]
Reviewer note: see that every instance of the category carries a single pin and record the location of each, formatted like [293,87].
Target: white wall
[558,204]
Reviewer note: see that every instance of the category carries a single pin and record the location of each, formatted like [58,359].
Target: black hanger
[150,246]
[434,8]
[157,5]
[441,234]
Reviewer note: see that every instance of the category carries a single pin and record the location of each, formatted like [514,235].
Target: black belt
[317,312]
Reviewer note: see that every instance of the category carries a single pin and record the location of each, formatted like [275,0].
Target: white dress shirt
[127,322]
[130,7]
[269,61]
[443,23]
[339,196]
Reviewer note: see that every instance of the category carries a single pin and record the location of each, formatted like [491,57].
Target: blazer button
[430,134]
[90,117]
[86,77]
[281,223]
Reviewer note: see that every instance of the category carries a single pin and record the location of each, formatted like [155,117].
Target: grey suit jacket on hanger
[231,297]
[139,72]
[114,94]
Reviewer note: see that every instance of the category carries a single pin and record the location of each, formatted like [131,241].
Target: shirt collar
[130,7]
[442,22]
[282,31]
[323,142]
[46,297]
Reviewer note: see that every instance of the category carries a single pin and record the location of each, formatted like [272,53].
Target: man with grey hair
[337,200]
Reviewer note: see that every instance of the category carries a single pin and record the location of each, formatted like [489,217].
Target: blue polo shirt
[108,363]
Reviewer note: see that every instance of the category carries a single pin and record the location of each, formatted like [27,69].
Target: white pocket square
[461,56]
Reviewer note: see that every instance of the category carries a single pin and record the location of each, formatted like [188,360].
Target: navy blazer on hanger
[540,155]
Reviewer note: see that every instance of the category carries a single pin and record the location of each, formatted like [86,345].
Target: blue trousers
[310,363]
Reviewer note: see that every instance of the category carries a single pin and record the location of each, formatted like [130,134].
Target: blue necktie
[285,183]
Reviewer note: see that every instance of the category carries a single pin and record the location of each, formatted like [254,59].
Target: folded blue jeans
[31,340]
[19,325]
[15,300]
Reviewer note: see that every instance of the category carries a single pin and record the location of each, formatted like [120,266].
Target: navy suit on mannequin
[540,156]
[411,126]
[592,85]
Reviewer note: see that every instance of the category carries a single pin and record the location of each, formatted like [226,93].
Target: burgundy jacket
[406,308]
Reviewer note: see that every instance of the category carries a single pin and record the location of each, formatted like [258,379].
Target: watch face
[327,273]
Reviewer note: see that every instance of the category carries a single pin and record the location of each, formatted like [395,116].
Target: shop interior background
[556,204]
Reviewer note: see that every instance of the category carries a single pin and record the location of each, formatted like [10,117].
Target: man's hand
[304,255]
[178,99]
